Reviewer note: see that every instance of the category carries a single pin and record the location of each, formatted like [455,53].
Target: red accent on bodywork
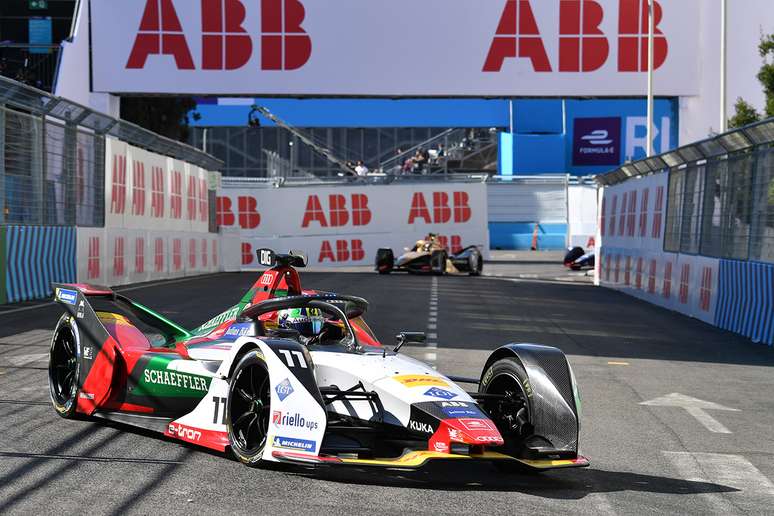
[212,439]
[91,290]
[96,387]
[472,431]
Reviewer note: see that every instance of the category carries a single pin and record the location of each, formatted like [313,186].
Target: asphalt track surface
[645,458]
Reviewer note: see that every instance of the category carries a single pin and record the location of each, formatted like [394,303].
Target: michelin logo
[291,443]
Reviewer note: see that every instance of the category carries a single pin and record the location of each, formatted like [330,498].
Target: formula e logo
[435,392]
[420,427]
[598,137]
[284,389]
[476,424]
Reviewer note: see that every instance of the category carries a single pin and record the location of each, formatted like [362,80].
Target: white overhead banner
[338,226]
[395,48]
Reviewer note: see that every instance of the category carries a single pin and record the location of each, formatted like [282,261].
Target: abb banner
[338,226]
[123,256]
[631,259]
[306,47]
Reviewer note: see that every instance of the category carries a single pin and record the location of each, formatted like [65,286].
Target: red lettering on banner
[517,36]
[462,210]
[652,278]
[326,253]
[192,197]
[583,47]
[225,43]
[247,253]
[627,271]
[118,257]
[223,214]
[118,191]
[617,267]
[456,244]
[666,287]
[622,217]
[705,294]
[603,217]
[176,195]
[314,212]
[685,277]
[441,211]
[158,255]
[419,209]
[138,188]
[204,252]
[157,192]
[633,23]
[644,213]
[357,251]
[214,253]
[638,277]
[160,33]
[607,267]
[338,210]
[657,213]
[249,218]
[632,213]
[192,253]
[284,42]
[177,254]
[361,215]
[611,231]
[204,204]
[342,251]
[93,261]
[139,255]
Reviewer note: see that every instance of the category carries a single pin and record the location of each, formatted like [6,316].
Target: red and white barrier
[632,259]
[344,226]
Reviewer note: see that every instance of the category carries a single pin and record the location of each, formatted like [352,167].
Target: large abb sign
[336,226]
[632,223]
[305,47]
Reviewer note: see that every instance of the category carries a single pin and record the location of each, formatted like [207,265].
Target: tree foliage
[167,116]
[744,114]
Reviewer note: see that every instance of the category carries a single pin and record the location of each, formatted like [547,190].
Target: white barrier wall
[156,221]
[581,215]
[343,226]
[631,259]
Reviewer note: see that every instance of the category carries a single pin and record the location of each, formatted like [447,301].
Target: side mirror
[300,259]
[409,337]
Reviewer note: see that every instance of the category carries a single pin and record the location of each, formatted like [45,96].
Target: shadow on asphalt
[556,484]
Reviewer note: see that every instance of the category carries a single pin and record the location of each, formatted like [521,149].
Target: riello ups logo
[226,44]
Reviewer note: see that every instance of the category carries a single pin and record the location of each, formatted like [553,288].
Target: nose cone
[474,432]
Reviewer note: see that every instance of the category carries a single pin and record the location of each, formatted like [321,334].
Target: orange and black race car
[429,256]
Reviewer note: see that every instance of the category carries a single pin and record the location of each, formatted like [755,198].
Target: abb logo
[226,44]
[452,243]
[158,255]
[118,191]
[93,267]
[139,255]
[204,252]
[118,257]
[705,294]
[193,184]
[176,195]
[338,213]
[442,213]
[345,251]
[177,254]
[192,254]
[204,204]
[583,47]
[157,192]
[247,206]
[666,287]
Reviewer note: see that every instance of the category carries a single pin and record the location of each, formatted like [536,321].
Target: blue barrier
[36,256]
[513,236]
[745,302]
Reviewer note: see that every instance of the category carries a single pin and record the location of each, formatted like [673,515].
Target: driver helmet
[307,321]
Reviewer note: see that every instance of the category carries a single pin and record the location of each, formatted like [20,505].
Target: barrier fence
[693,230]
[86,197]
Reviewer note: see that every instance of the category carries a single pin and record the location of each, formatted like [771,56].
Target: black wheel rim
[63,367]
[511,413]
[250,409]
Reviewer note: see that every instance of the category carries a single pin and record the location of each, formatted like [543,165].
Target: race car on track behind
[293,375]
[577,258]
[429,256]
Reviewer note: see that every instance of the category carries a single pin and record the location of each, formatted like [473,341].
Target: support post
[651,29]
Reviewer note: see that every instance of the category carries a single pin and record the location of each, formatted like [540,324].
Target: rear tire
[64,368]
[248,410]
[385,261]
[512,417]
[478,266]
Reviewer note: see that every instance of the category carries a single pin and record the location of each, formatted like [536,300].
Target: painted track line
[431,344]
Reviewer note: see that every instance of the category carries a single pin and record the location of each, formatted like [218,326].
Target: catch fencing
[55,156]
[693,230]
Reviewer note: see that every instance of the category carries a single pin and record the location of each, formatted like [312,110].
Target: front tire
[249,408]
[478,266]
[64,368]
[438,263]
[511,415]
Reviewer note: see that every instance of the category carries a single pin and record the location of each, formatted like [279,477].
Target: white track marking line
[695,407]
[709,422]
[726,470]
[432,320]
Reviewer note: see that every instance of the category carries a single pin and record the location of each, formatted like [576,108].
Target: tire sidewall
[67,410]
[508,366]
[252,357]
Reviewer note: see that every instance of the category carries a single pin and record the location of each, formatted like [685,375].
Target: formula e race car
[247,383]
[429,256]
[577,258]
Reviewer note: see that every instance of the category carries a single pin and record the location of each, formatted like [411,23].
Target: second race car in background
[429,256]
[577,258]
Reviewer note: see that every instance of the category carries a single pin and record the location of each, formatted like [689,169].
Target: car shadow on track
[563,485]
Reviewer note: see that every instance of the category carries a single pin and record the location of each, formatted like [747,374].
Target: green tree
[167,116]
[744,114]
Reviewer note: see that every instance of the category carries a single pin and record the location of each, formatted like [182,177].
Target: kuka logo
[583,47]
[226,44]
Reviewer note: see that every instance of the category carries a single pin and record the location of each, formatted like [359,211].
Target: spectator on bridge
[361,169]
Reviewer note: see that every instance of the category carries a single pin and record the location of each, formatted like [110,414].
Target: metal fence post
[38,168]
[70,166]
[3,208]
